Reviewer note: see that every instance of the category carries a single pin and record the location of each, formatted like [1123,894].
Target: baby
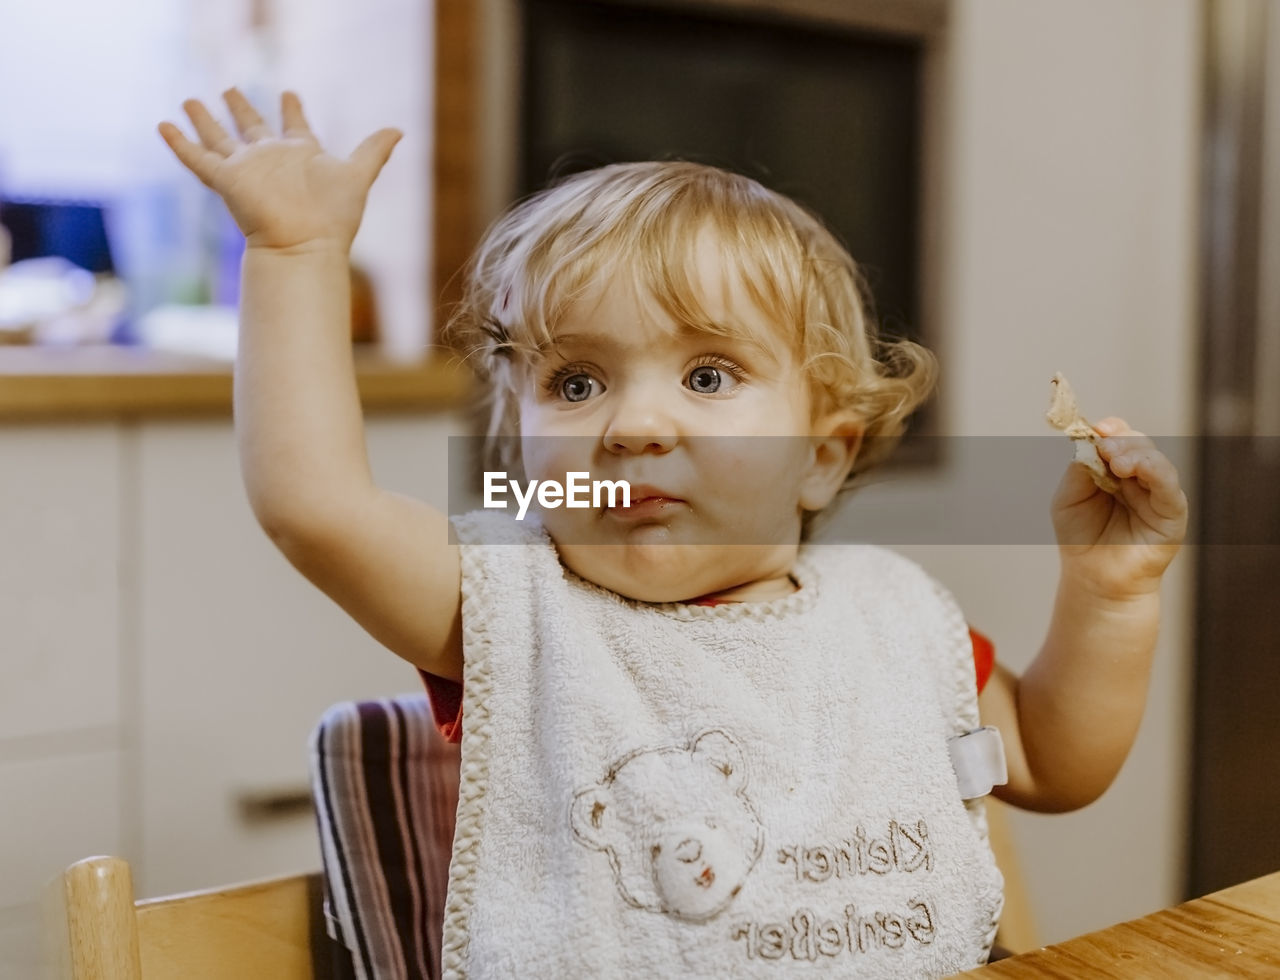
[693,743]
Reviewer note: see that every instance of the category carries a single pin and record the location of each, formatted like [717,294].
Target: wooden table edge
[1255,903]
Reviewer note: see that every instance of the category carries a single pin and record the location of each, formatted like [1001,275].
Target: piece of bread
[1063,414]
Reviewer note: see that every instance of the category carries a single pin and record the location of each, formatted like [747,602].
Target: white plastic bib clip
[978,759]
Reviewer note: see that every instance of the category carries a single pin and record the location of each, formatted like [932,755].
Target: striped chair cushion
[386,790]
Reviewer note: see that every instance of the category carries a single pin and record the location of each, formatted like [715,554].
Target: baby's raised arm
[383,557]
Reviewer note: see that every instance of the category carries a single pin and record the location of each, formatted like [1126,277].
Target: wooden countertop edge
[101,384]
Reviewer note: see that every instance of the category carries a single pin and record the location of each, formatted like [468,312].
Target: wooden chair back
[1017,932]
[266,930]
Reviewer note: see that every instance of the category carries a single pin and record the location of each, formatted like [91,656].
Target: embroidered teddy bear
[679,831]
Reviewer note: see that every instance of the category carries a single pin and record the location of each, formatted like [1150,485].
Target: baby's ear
[592,817]
[834,446]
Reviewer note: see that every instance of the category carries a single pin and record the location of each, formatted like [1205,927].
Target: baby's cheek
[555,457]
[733,460]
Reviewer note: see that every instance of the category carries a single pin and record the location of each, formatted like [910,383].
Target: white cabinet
[57,809]
[60,491]
[161,659]
[61,761]
[240,654]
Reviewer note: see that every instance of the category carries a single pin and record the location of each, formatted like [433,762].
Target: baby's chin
[656,572]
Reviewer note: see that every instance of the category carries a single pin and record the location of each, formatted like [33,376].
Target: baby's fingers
[1147,465]
[1120,442]
[293,122]
[250,125]
[210,131]
[197,159]
[1132,455]
[1156,475]
[371,155]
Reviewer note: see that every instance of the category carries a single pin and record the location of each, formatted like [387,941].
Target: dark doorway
[1235,799]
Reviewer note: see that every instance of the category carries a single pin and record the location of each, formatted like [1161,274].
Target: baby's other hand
[283,191]
[1118,545]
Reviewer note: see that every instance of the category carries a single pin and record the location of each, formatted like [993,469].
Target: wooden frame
[274,929]
[454,178]
[911,18]
[475,121]
[265,930]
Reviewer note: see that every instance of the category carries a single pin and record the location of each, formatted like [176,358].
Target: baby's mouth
[645,508]
[646,502]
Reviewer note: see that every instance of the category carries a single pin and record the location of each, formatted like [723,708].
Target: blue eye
[577,387]
[705,379]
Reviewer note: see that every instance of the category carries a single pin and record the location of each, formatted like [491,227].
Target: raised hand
[285,192]
[1118,546]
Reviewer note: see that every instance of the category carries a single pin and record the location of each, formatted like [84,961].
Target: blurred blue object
[151,251]
[72,230]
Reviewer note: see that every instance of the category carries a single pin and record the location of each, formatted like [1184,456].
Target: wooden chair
[266,930]
[363,755]
[385,785]
[1017,933]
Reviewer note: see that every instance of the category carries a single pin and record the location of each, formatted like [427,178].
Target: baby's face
[712,433]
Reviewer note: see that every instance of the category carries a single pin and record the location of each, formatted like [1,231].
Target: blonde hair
[643,219]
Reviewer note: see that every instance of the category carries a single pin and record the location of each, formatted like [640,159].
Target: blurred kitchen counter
[49,383]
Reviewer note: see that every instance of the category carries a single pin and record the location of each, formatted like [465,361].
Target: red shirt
[445,695]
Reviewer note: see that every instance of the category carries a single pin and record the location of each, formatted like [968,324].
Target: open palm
[284,192]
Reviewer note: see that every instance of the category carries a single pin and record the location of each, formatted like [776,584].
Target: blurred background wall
[1071,246]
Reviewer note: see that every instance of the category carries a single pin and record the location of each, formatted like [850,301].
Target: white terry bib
[755,790]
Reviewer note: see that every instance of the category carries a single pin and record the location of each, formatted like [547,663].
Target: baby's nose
[640,423]
[638,443]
